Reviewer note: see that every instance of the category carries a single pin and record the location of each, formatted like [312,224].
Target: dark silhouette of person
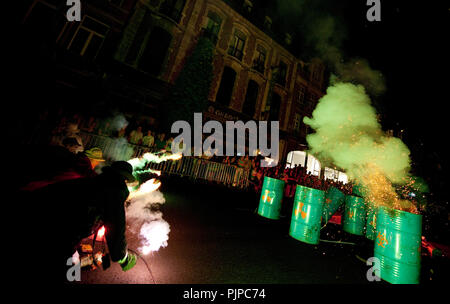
[71,209]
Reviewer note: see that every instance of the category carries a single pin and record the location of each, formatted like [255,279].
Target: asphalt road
[217,238]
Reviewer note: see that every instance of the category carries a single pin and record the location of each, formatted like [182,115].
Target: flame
[101,232]
[154,233]
[146,188]
[154,158]
[141,162]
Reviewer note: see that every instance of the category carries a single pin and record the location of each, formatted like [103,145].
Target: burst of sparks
[380,191]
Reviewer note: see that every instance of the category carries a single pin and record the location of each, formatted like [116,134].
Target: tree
[190,91]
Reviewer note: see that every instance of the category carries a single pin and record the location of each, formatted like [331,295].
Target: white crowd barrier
[115,149]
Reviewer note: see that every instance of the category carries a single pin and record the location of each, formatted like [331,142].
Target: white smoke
[118,122]
[155,234]
[145,219]
[118,149]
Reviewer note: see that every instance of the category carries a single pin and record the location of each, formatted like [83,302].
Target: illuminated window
[88,38]
[295,158]
[313,165]
[236,48]
[335,175]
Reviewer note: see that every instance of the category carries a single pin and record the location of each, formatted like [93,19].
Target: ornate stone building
[135,49]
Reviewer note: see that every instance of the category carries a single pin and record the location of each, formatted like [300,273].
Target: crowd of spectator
[116,127]
[144,135]
[296,175]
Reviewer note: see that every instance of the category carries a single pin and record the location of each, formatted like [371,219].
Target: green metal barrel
[359,190]
[398,245]
[354,215]
[371,227]
[333,199]
[306,214]
[271,197]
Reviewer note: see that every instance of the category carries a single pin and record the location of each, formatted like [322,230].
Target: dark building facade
[126,54]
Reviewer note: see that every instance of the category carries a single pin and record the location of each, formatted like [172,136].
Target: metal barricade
[119,149]
[196,168]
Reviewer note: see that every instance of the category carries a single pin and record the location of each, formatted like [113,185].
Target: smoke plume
[321,28]
[348,135]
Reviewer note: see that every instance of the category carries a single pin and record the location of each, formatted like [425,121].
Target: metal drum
[306,214]
[333,199]
[354,215]
[359,190]
[371,227]
[271,197]
[398,245]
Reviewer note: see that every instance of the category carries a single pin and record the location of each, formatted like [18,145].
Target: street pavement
[217,238]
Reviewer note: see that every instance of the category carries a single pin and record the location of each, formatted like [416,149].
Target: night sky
[408,46]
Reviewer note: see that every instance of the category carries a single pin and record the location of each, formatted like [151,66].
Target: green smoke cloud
[348,135]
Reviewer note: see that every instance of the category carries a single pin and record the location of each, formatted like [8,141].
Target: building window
[260,59]
[172,9]
[236,48]
[155,52]
[313,165]
[226,86]
[311,101]
[301,95]
[88,38]
[139,37]
[275,104]
[296,158]
[297,122]
[251,98]
[213,27]
[335,175]
[316,74]
[281,74]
